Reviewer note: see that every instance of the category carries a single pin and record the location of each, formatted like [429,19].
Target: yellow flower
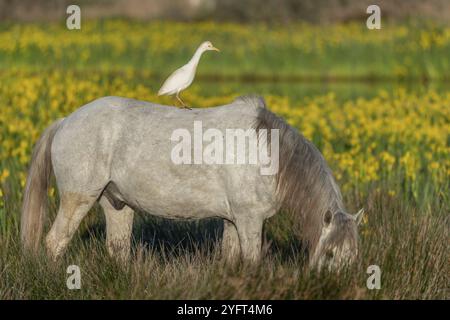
[4,175]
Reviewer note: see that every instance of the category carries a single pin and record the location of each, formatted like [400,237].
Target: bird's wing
[175,81]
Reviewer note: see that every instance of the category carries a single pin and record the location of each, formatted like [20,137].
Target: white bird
[182,78]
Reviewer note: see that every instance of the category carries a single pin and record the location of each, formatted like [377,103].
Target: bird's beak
[215,49]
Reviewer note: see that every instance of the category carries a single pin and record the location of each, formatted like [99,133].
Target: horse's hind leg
[231,247]
[72,209]
[119,226]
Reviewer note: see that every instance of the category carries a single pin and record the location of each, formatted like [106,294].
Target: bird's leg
[183,105]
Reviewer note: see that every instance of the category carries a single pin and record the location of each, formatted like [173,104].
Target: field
[376,103]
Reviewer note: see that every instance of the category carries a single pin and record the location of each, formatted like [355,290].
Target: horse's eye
[329,254]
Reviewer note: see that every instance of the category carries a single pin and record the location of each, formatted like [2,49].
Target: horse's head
[338,242]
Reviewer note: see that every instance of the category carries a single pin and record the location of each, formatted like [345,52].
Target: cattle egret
[182,78]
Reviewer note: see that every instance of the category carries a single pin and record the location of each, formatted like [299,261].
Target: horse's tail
[34,206]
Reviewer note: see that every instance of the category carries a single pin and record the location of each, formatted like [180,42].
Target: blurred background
[375,103]
[266,47]
[276,11]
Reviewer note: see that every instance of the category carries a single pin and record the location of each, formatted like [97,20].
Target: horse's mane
[305,185]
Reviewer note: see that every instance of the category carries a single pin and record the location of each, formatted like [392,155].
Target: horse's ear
[358,217]
[327,218]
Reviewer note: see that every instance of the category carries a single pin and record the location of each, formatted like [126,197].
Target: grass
[180,260]
[386,142]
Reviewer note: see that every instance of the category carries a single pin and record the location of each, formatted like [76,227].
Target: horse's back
[238,114]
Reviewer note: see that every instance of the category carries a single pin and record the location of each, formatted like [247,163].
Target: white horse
[117,151]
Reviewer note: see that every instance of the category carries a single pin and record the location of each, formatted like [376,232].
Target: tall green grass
[180,260]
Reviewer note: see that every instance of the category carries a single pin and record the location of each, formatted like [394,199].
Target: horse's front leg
[119,227]
[249,230]
[231,248]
